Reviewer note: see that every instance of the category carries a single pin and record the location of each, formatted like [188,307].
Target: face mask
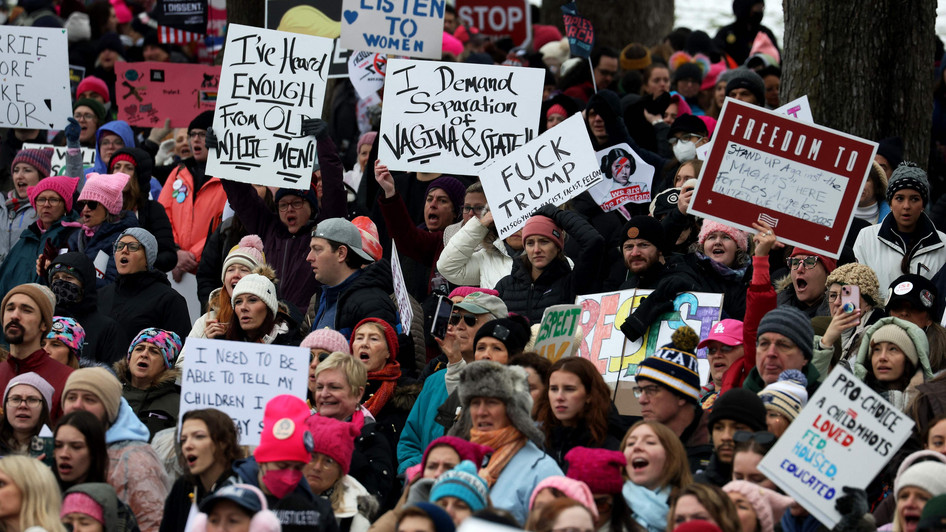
[756,17]
[684,150]
[281,482]
[66,292]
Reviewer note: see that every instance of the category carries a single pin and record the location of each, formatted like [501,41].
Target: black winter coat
[368,297]
[145,299]
[151,214]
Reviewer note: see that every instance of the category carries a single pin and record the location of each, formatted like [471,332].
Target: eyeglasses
[84,116]
[48,201]
[795,262]
[197,135]
[649,391]
[468,319]
[111,143]
[296,205]
[132,246]
[16,400]
[685,138]
[92,205]
[762,437]
[479,210]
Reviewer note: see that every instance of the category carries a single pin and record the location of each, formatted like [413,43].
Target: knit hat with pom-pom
[674,365]
[249,253]
[787,395]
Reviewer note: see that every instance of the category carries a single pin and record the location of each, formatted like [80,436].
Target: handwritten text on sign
[559,323]
[843,437]
[803,179]
[238,378]
[271,81]
[34,78]
[456,117]
[406,27]
[553,168]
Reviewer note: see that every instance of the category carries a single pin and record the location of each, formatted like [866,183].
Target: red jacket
[419,244]
[39,362]
[760,299]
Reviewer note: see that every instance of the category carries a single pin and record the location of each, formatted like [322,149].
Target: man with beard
[737,410]
[27,315]
[644,243]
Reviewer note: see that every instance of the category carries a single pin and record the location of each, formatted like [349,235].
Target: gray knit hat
[908,175]
[144,238]
[486,378]
[743,78]
[792,324]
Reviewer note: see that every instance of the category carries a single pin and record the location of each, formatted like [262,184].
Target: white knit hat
[929,475]
[248,252]
[261,287]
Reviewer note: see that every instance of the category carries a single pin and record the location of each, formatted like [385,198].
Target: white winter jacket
[881,248]
[464,265]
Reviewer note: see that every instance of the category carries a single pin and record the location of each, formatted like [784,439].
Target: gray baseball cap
[344,232]
[481,303]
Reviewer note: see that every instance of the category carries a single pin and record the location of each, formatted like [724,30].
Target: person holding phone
[893,360]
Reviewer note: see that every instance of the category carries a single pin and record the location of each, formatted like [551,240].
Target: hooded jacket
[145,299]
[882,248]
[16,215]
[151,214]
[103,334]
[19,265]
[117,127]
[467,261]
[158,405]
[134,469]
[608,105]
[118,517]
[102,242]
[900,399]
[736,39]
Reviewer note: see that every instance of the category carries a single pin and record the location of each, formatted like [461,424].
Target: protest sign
[58,166]
[456,117]
[627,178]
[799,109]
[271,81]
[76,74]
[412,27]
[803,179]
[843,437]
[498,18]
[238,378]
[150,92]
[404,310]
[557,332]
[578,29]
[366,72]
[34,78]
[319,18]
[617,358]
[553,168]
[186,15]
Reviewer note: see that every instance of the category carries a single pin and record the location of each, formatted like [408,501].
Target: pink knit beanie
[105,189]
[575,490]
[768,505]
[540,225]
[60,184]
[327,339]
[739,237]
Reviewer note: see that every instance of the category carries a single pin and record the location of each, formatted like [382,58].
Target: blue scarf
[648,508]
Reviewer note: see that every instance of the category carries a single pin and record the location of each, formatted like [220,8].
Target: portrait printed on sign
[627,178]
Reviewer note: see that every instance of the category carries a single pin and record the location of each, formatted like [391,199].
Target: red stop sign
[498,18]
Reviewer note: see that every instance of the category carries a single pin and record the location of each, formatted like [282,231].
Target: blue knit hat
[674,365]
[463,483]
[441,519]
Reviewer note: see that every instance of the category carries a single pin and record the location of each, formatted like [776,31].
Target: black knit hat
[203,121]
[743,78]
[792,324]
[513,332]
[689,71]
[674,365]
[646,228]
[909,176]
[739,405]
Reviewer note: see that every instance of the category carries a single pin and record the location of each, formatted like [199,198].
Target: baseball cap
[239,494]
[480,303]
[914,289]
[344,232]
[727,332]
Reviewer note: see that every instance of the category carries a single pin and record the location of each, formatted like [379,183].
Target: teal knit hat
[463,483]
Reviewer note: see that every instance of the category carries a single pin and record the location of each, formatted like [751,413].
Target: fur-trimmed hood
[486,378]
[915,333]
[123,372]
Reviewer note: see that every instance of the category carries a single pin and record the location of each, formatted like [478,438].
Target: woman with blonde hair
[657,469]
[28,488]
[706,503]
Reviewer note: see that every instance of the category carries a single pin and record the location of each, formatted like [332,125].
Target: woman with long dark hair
[79,450]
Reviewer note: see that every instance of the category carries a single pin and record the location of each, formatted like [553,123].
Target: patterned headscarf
[167,341]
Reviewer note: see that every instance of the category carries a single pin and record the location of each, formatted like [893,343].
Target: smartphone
[438,329]
[850,298]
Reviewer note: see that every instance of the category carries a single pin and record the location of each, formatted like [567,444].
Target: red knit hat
[390,336]
[599,468]
[334,438]
[467,450]
[829,263]
[284,436]
[94,84]
[60,184]
[122,157]
[543,226]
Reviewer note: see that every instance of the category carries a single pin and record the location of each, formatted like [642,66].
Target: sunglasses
[762,437]
[92,205]
[469,319]
[321,356]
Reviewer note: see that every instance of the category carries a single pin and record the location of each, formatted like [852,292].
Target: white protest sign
[404,309]
[553,168]
[270,82]
[406,27]
[799,109]
[58,166]
[34,69]
[843,437]
[627,178]
[366,72]
[456,117]
[239,378]
[559,323]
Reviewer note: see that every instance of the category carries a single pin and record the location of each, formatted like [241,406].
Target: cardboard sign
[498,18]
[627,178]
[578,29]
[34,78]
[559,323]
[555,167]
[150,92]
[366,72]
[239,378]
[617,358]
[456,117]
[58,166]
[186,15]
[319,18]
[404,310]
[843,437]
[803,179]
[271,81]
[411,27]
